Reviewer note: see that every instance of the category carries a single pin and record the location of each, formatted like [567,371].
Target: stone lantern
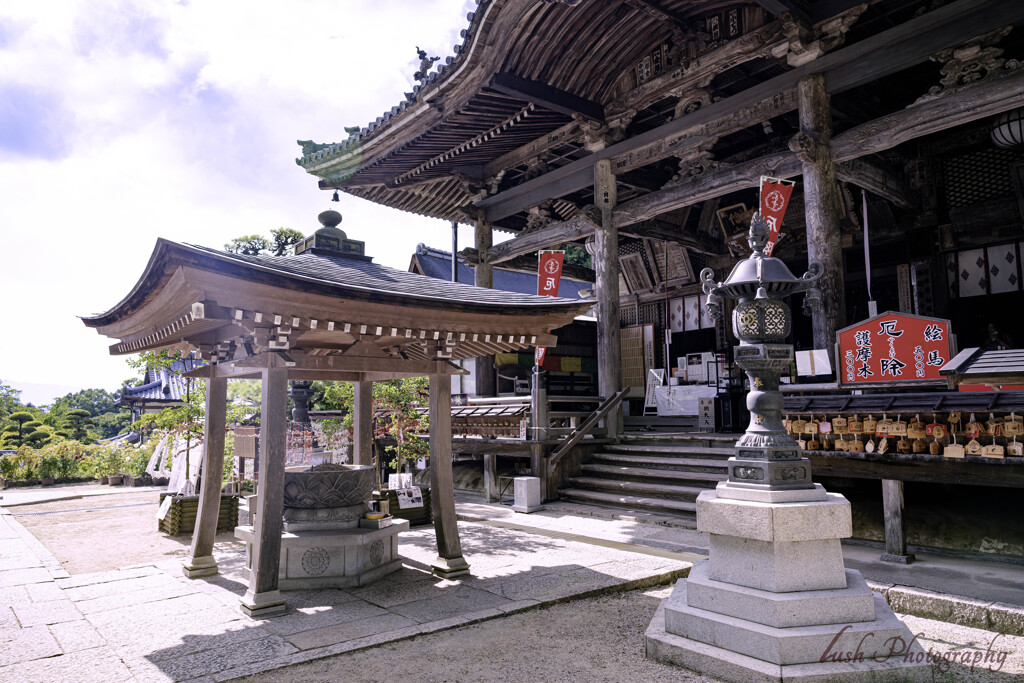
[774,601]
[767,457]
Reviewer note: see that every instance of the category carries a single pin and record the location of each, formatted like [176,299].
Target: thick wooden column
[486,377]
[200,560]
[606,265]
[822,207]
[895,524]
[362,424]
[449,560]
[491,492]
[263,596]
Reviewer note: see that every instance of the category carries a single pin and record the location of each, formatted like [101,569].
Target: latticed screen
[633,368]
[977,176]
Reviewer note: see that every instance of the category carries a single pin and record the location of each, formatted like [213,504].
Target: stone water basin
[329,486]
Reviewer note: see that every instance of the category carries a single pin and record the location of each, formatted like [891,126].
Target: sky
[122,121]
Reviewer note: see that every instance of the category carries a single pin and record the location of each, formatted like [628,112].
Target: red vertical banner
[775,195]
[549,275]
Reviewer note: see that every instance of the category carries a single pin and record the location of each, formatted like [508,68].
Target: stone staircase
[656,473]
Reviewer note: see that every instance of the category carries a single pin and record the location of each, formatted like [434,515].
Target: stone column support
[606,265]
[822,207]
[200,560]
[362,424]
[486,378]
[263,596]
[449,562]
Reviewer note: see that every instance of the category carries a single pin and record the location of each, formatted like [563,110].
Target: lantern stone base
[774,603]
[333,558]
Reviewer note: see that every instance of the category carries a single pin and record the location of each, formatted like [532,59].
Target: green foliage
[282,241]
[14,435]
[76,425]
[162,360]
[28,463]
[112,424]
[248,245]
[398,399]
[10,401]
[576,254]
[285,240]
[8,466]
[94,401]
[48,466]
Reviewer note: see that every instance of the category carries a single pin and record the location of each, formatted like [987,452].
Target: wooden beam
[888,52]
[606,265]
[978,100]
[582,225]
[653,10]
[362,423]
[567,133]
[877,180]
[545,95]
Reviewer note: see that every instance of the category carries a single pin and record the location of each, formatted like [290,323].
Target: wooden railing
[574,438]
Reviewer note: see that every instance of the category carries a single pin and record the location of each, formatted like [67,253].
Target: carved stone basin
[334,488]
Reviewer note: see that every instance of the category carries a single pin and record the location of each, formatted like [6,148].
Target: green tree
[76,424]
[14,434]
[95,401]
[282,241]
[113,423]
[10,401]
[576,254]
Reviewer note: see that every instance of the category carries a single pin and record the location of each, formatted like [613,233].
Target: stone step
[662,462]
[690,450]
[686,507]
[601,469]
[670,491]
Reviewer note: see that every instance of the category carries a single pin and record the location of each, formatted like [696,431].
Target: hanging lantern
[1008,129]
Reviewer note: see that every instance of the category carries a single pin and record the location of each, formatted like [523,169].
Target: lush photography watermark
[897,648]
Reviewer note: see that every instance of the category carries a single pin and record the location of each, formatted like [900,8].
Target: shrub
[28,463]
[8,466]
[49,464]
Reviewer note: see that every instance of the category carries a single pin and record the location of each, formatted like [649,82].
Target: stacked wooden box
[181,517]
[416,516]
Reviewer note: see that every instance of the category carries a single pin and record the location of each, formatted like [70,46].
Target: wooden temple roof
[691,100]
[326,311]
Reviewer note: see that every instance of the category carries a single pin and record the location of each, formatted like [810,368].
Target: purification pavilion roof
[230,306]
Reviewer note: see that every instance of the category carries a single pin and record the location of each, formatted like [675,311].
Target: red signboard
[549,274]
[774,200]
[894,347]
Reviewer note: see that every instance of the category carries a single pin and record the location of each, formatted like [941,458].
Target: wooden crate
[416,516]
[181,517]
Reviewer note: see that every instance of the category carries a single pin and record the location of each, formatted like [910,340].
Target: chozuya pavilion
[328,312]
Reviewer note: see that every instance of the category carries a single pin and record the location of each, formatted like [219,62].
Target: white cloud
[140,119]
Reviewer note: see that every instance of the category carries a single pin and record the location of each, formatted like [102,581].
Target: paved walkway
[149,623]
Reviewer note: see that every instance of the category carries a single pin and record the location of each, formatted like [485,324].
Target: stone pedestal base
[448,568]
[196,567]
[527,494]
[257,605]
[333,558]
[774,603]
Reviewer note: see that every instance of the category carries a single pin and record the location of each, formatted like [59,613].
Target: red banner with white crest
[775,195]
[549,275]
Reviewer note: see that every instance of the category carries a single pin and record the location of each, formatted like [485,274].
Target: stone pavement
[149,623]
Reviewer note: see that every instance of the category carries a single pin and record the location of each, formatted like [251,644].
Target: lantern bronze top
[759,275]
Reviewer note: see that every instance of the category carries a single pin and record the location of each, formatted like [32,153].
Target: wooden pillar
[491,492]
[200,560]
[606,265]
[486,376]
[541,423]
[449,562]
[362,423]
[263,596]
[822,208]
[895,524]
